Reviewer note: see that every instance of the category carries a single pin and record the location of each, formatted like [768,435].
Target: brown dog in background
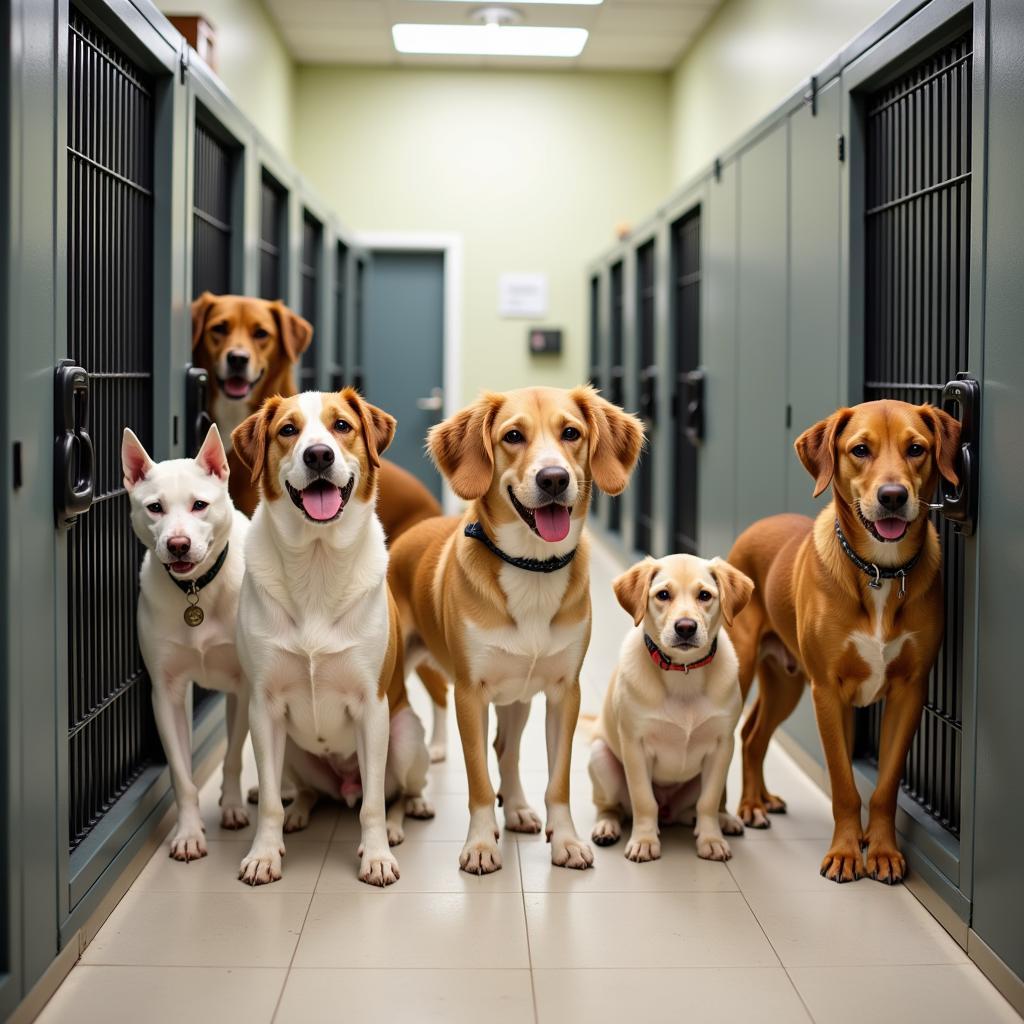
[853,602]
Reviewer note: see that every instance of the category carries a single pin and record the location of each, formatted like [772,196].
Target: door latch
[693,406]
[74,459]
[197,399]
[649,394]
[960,504]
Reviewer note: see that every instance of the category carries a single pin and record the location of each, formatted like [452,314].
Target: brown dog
[500,599]
[853,602]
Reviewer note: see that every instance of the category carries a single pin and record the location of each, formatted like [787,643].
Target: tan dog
[318,633]
[504,609]
[664,740]
[852,601]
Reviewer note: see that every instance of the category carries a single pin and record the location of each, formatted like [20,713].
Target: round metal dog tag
[194,615]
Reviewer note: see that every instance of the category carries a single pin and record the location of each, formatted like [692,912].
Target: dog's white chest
[227,414]
[876,652]
[681,735]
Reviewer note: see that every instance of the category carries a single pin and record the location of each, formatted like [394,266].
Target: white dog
[318,630]
[664,739]
[190,579]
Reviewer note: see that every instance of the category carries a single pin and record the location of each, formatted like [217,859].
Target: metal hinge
[183,62]
[841,147]
[789,416]
[718,168]
[812,95]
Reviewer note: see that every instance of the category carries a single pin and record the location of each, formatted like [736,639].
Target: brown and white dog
[853,602]
[504,609]
[318,632]
[664,739]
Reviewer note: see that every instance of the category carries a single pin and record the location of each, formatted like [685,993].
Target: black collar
[661,659]
[877,573]
[194,586]
[552,564]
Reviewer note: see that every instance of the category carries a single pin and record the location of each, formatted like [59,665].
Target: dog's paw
[569,851]
[480,857]
[712,847]
[438,752]
[253,796]
[261,865]
[730,824]
[641,848]
[522,819]
[418,807]
[843,862]
[378,867]
[188,843]
[296,816]
[773,804]
[886,864]
[233,817]
[607,832]
[754,814]
[396,834]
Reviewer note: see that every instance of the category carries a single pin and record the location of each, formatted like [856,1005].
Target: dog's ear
[461,447]
[816,448]
[616,438]
[945,440]
[295,332]
[200,311]
[378,426]
[211,455]
[632,586]
[250,438]
[135,460]
[734,588]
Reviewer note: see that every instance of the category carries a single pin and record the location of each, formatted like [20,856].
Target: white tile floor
[763,937]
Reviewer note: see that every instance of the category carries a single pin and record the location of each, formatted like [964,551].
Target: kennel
[846,249]
[148,187]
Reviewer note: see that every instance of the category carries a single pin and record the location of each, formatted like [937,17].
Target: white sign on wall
[524,295]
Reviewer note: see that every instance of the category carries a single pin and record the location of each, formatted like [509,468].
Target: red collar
[661,660]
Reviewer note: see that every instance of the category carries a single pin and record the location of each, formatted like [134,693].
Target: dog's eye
[705,596]
[155,507]
[915,451]
[513,437]
[198,506]
[259,333]
[861,451]
[662,595]
[221,328]
[570,434]
[342,427]
[288,430]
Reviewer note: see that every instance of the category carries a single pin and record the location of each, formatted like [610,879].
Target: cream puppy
[188,602]
[318,630]
[664,739]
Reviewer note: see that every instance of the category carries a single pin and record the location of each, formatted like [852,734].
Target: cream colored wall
[252,62]
[533,169]
[750,56]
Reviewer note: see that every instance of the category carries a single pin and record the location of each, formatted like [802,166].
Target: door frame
[449,245]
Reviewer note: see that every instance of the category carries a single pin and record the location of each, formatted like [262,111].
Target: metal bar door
[273,220]
[309,271]
[340,313]
[647,373]
[211,213]
[616,368]
[595,361]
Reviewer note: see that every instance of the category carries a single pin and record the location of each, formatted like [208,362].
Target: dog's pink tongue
[552,522]
[236,387]
[891,528]
[321,500]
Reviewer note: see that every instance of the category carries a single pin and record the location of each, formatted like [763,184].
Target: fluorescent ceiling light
[564,3]
[490,40]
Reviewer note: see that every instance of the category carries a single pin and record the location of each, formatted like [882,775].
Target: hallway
[761,935]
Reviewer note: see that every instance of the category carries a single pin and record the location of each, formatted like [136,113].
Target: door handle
[616,377]
[649,394]
[434,402]
[197,401]
[74,459]
[693,406]
[960,504]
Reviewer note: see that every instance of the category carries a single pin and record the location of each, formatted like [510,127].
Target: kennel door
[647,379]
[310,269]
[616,369]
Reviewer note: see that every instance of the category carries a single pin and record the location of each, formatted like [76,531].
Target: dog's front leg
[187,841]
[263,862]
[519,815]
[900,719]
[480,854]
[233,814]
[377,863]
[567,849]
[644,844]
[711,844]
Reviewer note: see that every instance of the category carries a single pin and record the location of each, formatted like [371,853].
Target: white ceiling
[646,35]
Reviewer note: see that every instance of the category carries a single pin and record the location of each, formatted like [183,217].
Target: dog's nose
[237,361]
[178,546]
[553,480]
[318,457]
[686,629]
[892,496]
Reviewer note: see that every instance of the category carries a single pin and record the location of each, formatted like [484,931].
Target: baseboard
[995,969]
[41,993]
